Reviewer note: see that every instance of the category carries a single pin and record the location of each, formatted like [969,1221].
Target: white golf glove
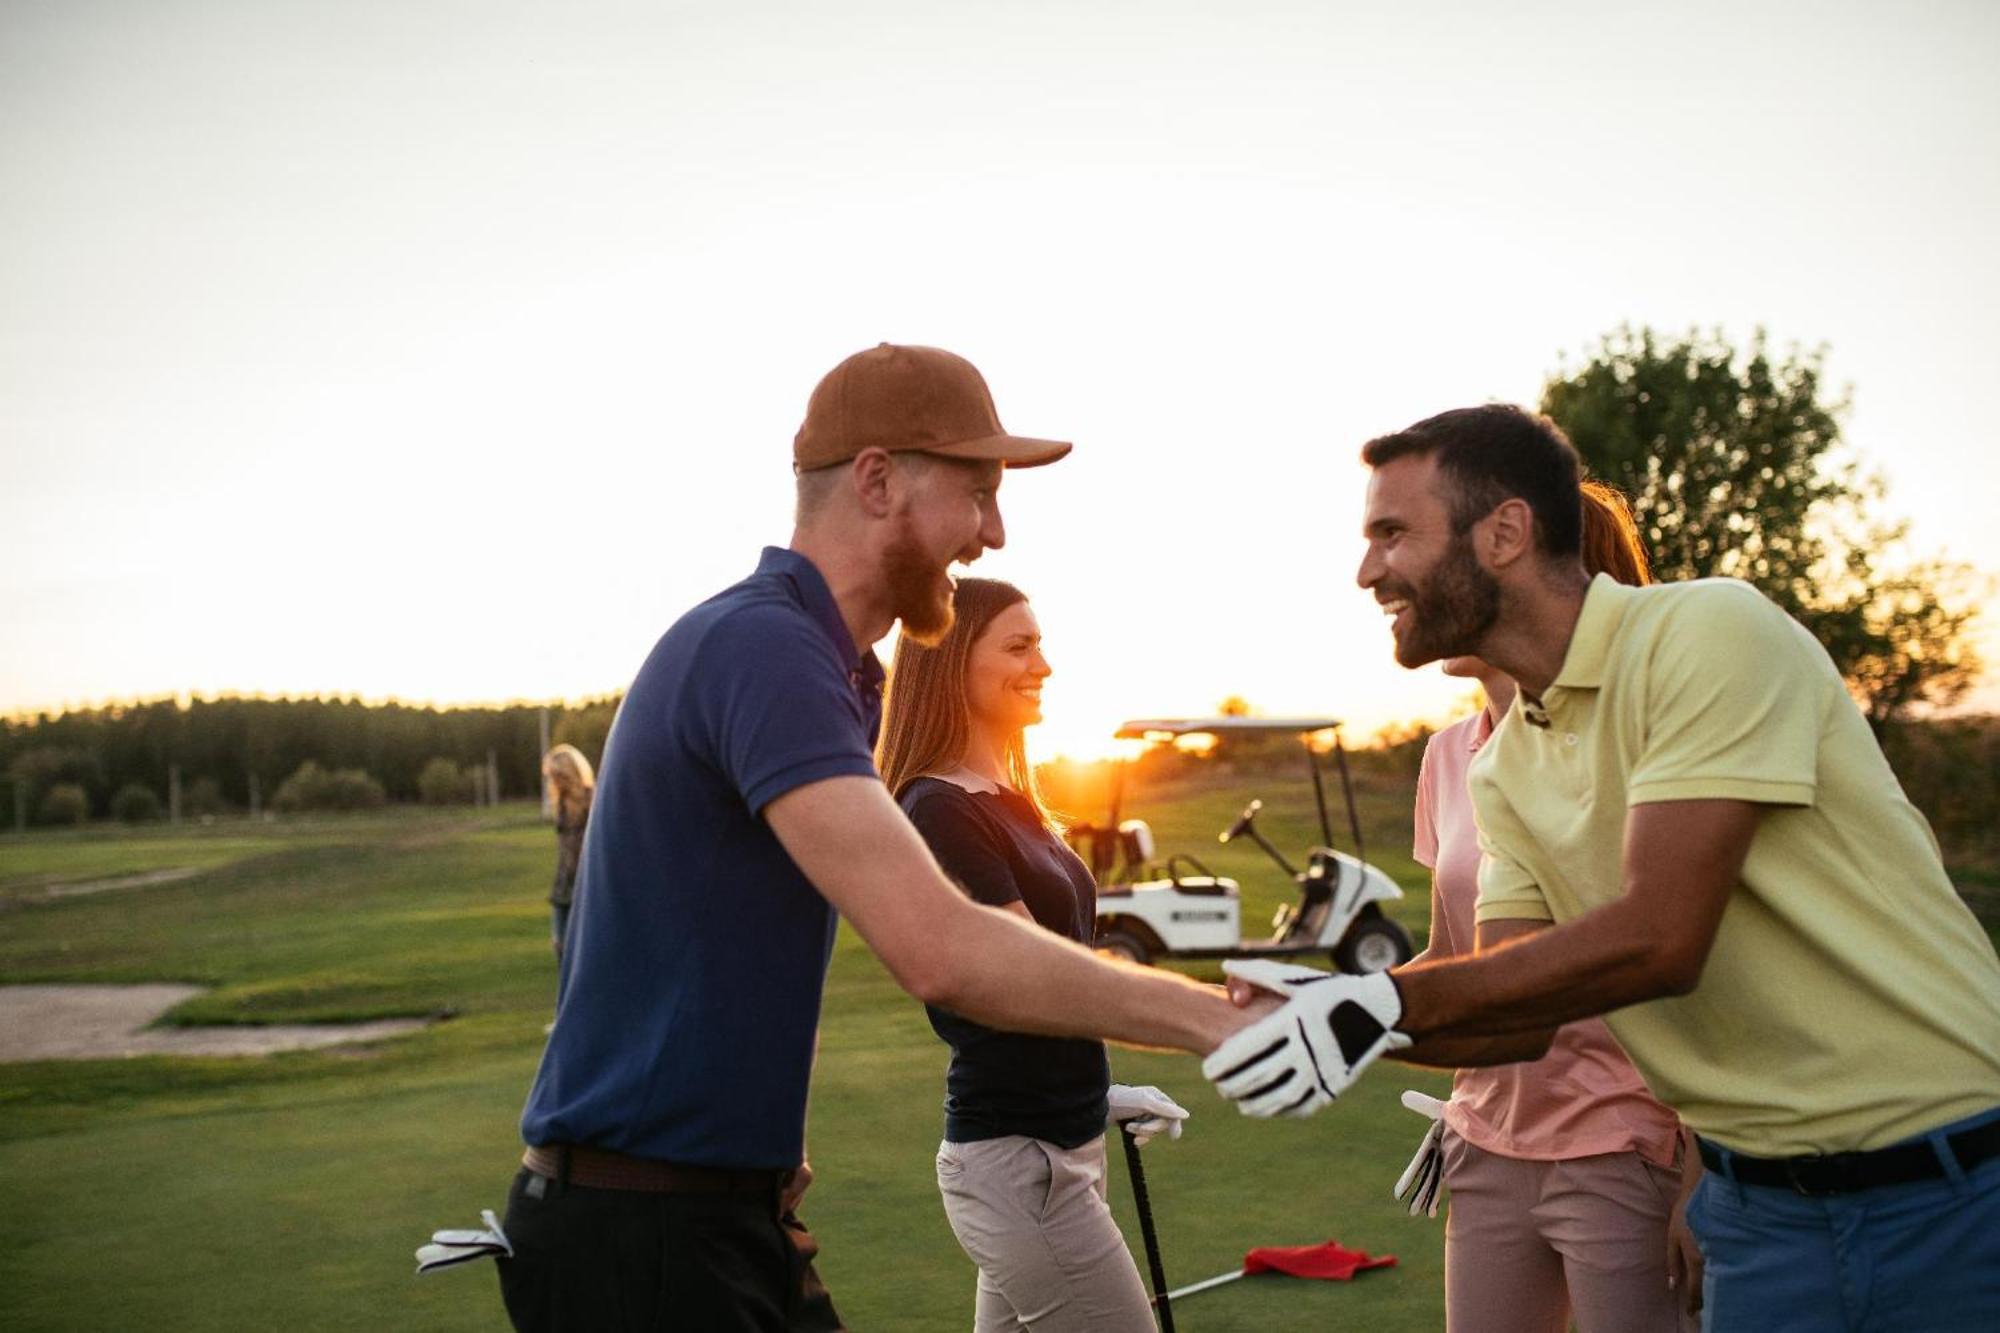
[1300,1058]
[1418,1185]
[450,1248]
[1146,1111]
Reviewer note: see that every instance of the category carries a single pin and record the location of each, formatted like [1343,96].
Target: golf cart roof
[1145,727]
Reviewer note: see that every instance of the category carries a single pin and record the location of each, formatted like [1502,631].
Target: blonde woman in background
[571,784]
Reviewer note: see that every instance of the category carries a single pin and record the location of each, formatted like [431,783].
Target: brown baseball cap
[900,398]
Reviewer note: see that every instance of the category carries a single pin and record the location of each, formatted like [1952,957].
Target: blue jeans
[1923,1257]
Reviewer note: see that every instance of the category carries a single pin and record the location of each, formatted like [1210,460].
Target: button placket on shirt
[1564,750]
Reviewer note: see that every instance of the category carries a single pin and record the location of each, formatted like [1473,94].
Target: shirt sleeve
[1508,890]
[1733,702]
[1423,834]
[965,847]
[778,709]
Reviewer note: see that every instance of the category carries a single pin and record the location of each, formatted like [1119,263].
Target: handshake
[1300,1057]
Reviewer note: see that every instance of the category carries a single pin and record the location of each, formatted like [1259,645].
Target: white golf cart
[1147,910]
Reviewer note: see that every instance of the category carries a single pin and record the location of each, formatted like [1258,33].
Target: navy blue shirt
[999,1083]
[697,950]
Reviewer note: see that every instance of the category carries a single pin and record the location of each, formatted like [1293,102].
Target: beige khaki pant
[1529,1246]
[1033,1217]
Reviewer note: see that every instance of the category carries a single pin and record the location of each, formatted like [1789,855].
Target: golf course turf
[288,1191]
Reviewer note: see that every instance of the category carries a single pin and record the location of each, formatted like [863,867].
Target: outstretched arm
[1682,861]
[990,965]
[1453,1051]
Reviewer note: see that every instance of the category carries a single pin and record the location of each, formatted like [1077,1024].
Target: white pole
[548,808]
[1192,1288]
[492,779]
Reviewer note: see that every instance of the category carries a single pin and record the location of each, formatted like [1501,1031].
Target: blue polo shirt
[697,951]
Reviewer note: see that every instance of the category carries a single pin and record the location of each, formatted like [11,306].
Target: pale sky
[447,351]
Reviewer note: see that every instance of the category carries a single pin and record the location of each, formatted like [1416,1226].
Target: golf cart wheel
[1373,944]
[1124,944]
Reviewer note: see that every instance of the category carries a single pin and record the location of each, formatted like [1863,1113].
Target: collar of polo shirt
[1596,626]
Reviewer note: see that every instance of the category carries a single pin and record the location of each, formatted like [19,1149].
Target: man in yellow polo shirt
[1848,999]
[1688,828]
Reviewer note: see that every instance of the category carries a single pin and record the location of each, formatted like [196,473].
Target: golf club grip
[1138,1174]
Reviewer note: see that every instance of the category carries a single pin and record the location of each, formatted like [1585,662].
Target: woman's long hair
[1611,542]
[571,783]
[926,722]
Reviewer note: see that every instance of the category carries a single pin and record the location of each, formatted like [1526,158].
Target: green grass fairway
[288,1192]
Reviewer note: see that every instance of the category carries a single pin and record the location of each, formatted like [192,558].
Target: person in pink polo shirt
[1565,1173]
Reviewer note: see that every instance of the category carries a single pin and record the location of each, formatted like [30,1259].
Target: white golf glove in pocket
[448,1248]
[1419,1184]
[1300,1058]
[1146,1111]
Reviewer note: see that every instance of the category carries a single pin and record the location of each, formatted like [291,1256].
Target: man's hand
[795,1188]
[1300,1058]
[1145,1111]
[1684,1257]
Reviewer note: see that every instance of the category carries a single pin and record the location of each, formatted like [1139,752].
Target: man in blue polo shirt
[737,812]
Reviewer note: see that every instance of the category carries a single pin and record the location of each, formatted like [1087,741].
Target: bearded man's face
[1421,569]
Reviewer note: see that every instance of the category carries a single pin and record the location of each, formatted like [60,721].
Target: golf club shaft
[1138,1174]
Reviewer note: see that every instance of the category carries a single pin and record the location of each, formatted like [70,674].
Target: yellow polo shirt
[1851,999]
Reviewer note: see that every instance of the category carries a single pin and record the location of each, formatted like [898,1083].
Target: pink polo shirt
[1583,1097]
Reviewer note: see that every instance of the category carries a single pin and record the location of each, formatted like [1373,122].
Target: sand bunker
[109,1022]
[142,881]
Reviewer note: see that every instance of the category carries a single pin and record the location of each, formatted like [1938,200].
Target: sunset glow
[366,357]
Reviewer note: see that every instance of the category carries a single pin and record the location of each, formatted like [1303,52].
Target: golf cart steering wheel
[1243,821]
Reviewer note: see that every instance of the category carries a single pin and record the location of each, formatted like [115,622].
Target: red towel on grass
[1329,1260]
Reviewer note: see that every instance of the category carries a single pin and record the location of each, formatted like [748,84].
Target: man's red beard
[919,594]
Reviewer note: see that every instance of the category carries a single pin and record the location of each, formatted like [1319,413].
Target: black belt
[600,1168]
[1846,1172]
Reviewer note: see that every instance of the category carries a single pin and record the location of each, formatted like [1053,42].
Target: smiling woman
[1022,1165]
[953,706]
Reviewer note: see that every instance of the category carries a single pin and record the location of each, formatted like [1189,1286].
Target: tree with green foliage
[40,769]
[443,782]
[312,788]
[587,726]
[135,803]
[204,798]
[1733,462]
[64,803]
[235,745]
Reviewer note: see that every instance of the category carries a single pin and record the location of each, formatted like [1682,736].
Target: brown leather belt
[600,1168]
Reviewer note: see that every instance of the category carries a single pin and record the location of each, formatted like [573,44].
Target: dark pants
[613,1260]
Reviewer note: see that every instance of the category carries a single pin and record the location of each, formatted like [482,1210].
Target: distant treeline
[107,761]
[1950,768]
[233,753]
